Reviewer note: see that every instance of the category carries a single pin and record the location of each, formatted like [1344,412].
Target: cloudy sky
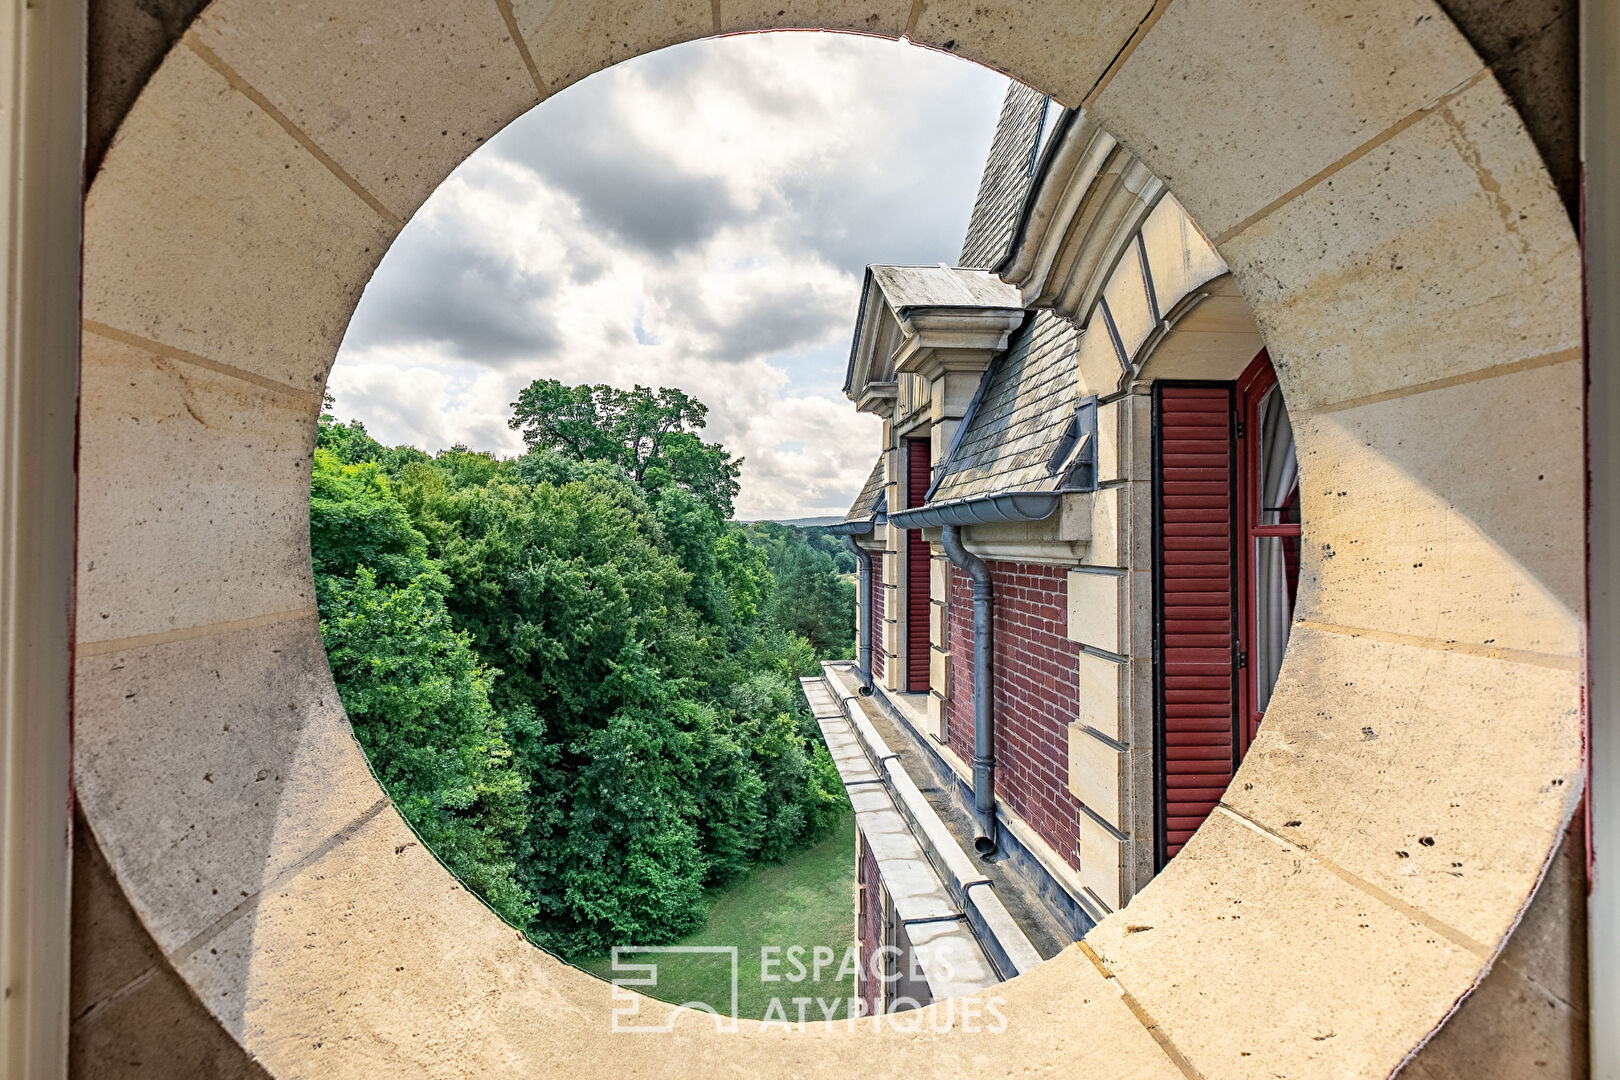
[697,218]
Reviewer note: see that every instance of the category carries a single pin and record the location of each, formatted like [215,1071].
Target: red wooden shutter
[1197,605]
[875,626]
[919,474]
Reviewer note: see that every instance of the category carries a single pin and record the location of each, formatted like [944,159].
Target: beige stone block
[1142,817]
[1406,532]
[156,1028]
[1472,220]
[1046,44]
[1141,699]
[1097,361]
[1138,498]
[939,579]
[891,571]
[1096,610]
[194,496]
[1138,613]
[936,625]
[1179,256]
[212,230]
[1127,300]
[1099,775]
[1104,862]
[1110,542]
[1231,119]
[571,40]
[1135,446]
[1216,339]
[110,946]
[936,714]
[1509,1026]
[883,18]
[1112,457]
[363,956]
[1549,946]
[1441,778]
[397,137]
[939,663]
[261,771]
[1193,944]
[272,968]
[1100,694]
[1528,1015]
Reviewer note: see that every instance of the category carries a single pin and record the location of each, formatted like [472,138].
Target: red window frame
[1252,387]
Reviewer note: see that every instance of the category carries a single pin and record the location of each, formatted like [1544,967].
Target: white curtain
[1279,503]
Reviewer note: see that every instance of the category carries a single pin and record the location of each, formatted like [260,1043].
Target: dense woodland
[572,670]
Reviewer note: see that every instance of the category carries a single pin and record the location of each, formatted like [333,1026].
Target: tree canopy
[651,434]
[574,674]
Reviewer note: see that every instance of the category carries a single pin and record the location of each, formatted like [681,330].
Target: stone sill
[998,934]
[1041,856]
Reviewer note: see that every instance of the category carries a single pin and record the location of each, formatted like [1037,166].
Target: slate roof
[1008,173]
[1021,417]
[867,501]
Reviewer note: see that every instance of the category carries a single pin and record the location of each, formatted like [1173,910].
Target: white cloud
[695,218]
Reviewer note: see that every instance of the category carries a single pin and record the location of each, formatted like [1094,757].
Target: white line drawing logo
[646,975]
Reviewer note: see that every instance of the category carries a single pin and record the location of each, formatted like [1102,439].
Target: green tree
[419,702]
[814,597]
[571,670]
[415,692]
[652,434]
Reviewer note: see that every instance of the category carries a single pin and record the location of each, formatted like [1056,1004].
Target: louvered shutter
[1196,616]
[919,474]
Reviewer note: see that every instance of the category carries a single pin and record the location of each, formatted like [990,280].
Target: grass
[796,906]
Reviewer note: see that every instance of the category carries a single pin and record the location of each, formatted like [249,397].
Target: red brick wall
[1036,693]
[867,987]
[959,673]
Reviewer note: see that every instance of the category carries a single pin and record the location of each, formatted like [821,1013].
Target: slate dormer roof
[866,506]
[1008,175]
[1018,433]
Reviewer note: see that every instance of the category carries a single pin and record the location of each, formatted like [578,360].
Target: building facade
[1080,539]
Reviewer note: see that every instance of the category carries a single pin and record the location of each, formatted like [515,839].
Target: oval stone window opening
[637,726]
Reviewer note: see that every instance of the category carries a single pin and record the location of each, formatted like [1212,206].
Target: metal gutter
[863,597]
[981,510]
[852,528]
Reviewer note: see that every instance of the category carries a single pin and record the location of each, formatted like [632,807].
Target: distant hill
[803,523]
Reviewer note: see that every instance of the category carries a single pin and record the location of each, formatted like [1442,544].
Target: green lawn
[806,902]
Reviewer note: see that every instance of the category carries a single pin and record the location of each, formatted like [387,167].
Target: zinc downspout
[985,839]
[863,629]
